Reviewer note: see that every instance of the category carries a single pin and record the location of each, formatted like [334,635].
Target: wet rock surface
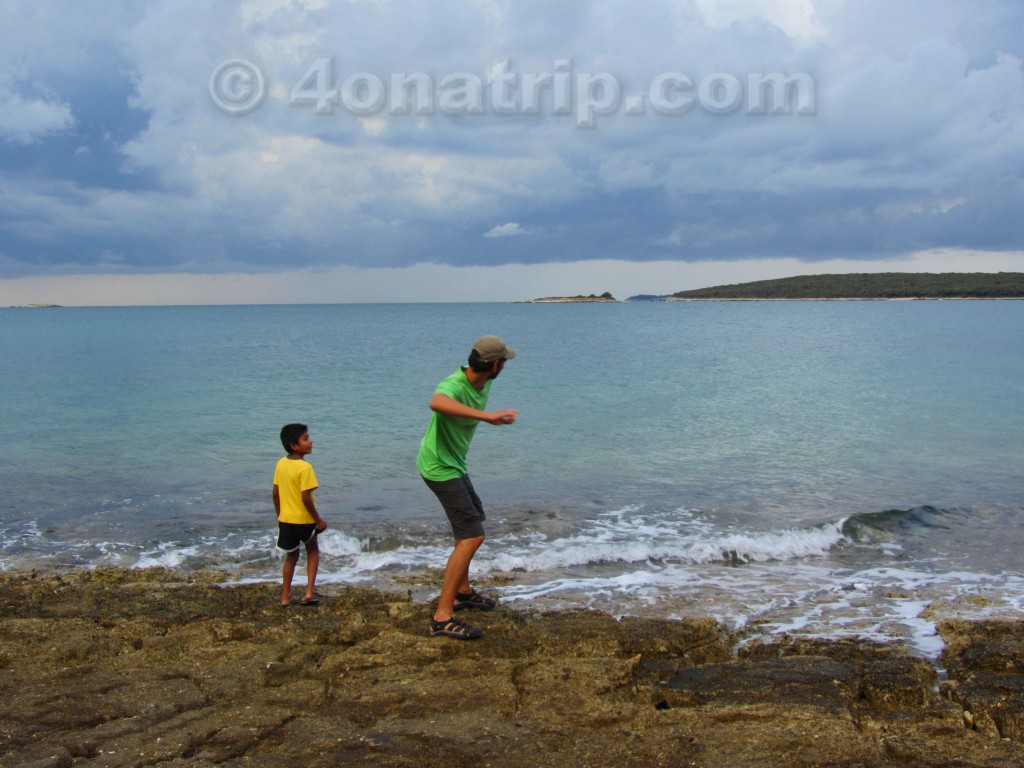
[986,669]
[155,668]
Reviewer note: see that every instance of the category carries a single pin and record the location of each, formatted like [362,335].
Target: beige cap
[491,348]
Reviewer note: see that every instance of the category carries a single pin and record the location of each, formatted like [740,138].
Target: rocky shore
[156,668]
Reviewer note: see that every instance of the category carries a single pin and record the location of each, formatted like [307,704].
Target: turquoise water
[755,461]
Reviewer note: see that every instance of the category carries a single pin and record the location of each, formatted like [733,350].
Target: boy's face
[304,446]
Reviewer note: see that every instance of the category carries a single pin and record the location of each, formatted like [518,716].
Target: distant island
[592,298]
[881,285]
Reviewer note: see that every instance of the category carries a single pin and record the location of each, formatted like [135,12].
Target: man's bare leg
[456,576]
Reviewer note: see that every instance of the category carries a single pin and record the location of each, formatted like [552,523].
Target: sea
[809,468]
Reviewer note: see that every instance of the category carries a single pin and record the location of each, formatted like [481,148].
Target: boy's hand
[321,526]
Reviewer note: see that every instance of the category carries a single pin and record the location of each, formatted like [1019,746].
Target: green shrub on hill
[881,285]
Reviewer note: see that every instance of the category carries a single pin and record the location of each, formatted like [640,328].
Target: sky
[294,151]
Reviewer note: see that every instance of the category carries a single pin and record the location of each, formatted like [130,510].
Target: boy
[298,522]
[458,406]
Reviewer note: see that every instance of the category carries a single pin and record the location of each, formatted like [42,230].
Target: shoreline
[118,667]
[569,300]
[851,298]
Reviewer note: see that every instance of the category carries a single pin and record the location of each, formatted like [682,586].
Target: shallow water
[816,467]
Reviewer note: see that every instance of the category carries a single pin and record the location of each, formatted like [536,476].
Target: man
[459,404]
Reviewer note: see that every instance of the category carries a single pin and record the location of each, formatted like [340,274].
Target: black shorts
[464,509]
[290,536]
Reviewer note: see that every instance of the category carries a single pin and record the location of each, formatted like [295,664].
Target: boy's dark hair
[478,365]
[290,435]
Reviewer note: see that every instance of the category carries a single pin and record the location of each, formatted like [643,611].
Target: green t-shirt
[442,454]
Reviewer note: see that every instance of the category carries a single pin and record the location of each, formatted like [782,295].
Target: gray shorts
[464,509]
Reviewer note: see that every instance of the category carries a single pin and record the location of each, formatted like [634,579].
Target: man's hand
[507,416]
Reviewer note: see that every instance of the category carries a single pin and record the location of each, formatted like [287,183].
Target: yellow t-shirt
[292,477]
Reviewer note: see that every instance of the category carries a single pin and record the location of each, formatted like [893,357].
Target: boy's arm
[447,406]
[307,499]
[277,501]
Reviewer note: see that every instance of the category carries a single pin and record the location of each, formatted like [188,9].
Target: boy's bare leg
[312,566]
[456,576]
[291,559]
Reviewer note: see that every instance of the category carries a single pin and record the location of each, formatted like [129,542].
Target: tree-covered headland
[881,285]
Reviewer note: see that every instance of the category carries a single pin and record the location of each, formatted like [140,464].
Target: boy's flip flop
[311,601]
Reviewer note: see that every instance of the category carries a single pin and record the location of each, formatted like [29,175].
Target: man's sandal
[456,629]
[474,600]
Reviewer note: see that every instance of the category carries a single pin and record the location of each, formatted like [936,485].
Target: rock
[985,659]
[126,668]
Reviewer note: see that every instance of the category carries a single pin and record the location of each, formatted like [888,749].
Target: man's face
[499,366]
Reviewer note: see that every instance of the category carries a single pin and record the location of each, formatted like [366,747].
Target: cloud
[112,141]
[23,121]
[506,230]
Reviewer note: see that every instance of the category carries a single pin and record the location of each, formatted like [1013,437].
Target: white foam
[796,597]
[337,543]
[166,556]
[809,581]
[624,537]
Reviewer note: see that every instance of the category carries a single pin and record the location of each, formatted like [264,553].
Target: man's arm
[447,406]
